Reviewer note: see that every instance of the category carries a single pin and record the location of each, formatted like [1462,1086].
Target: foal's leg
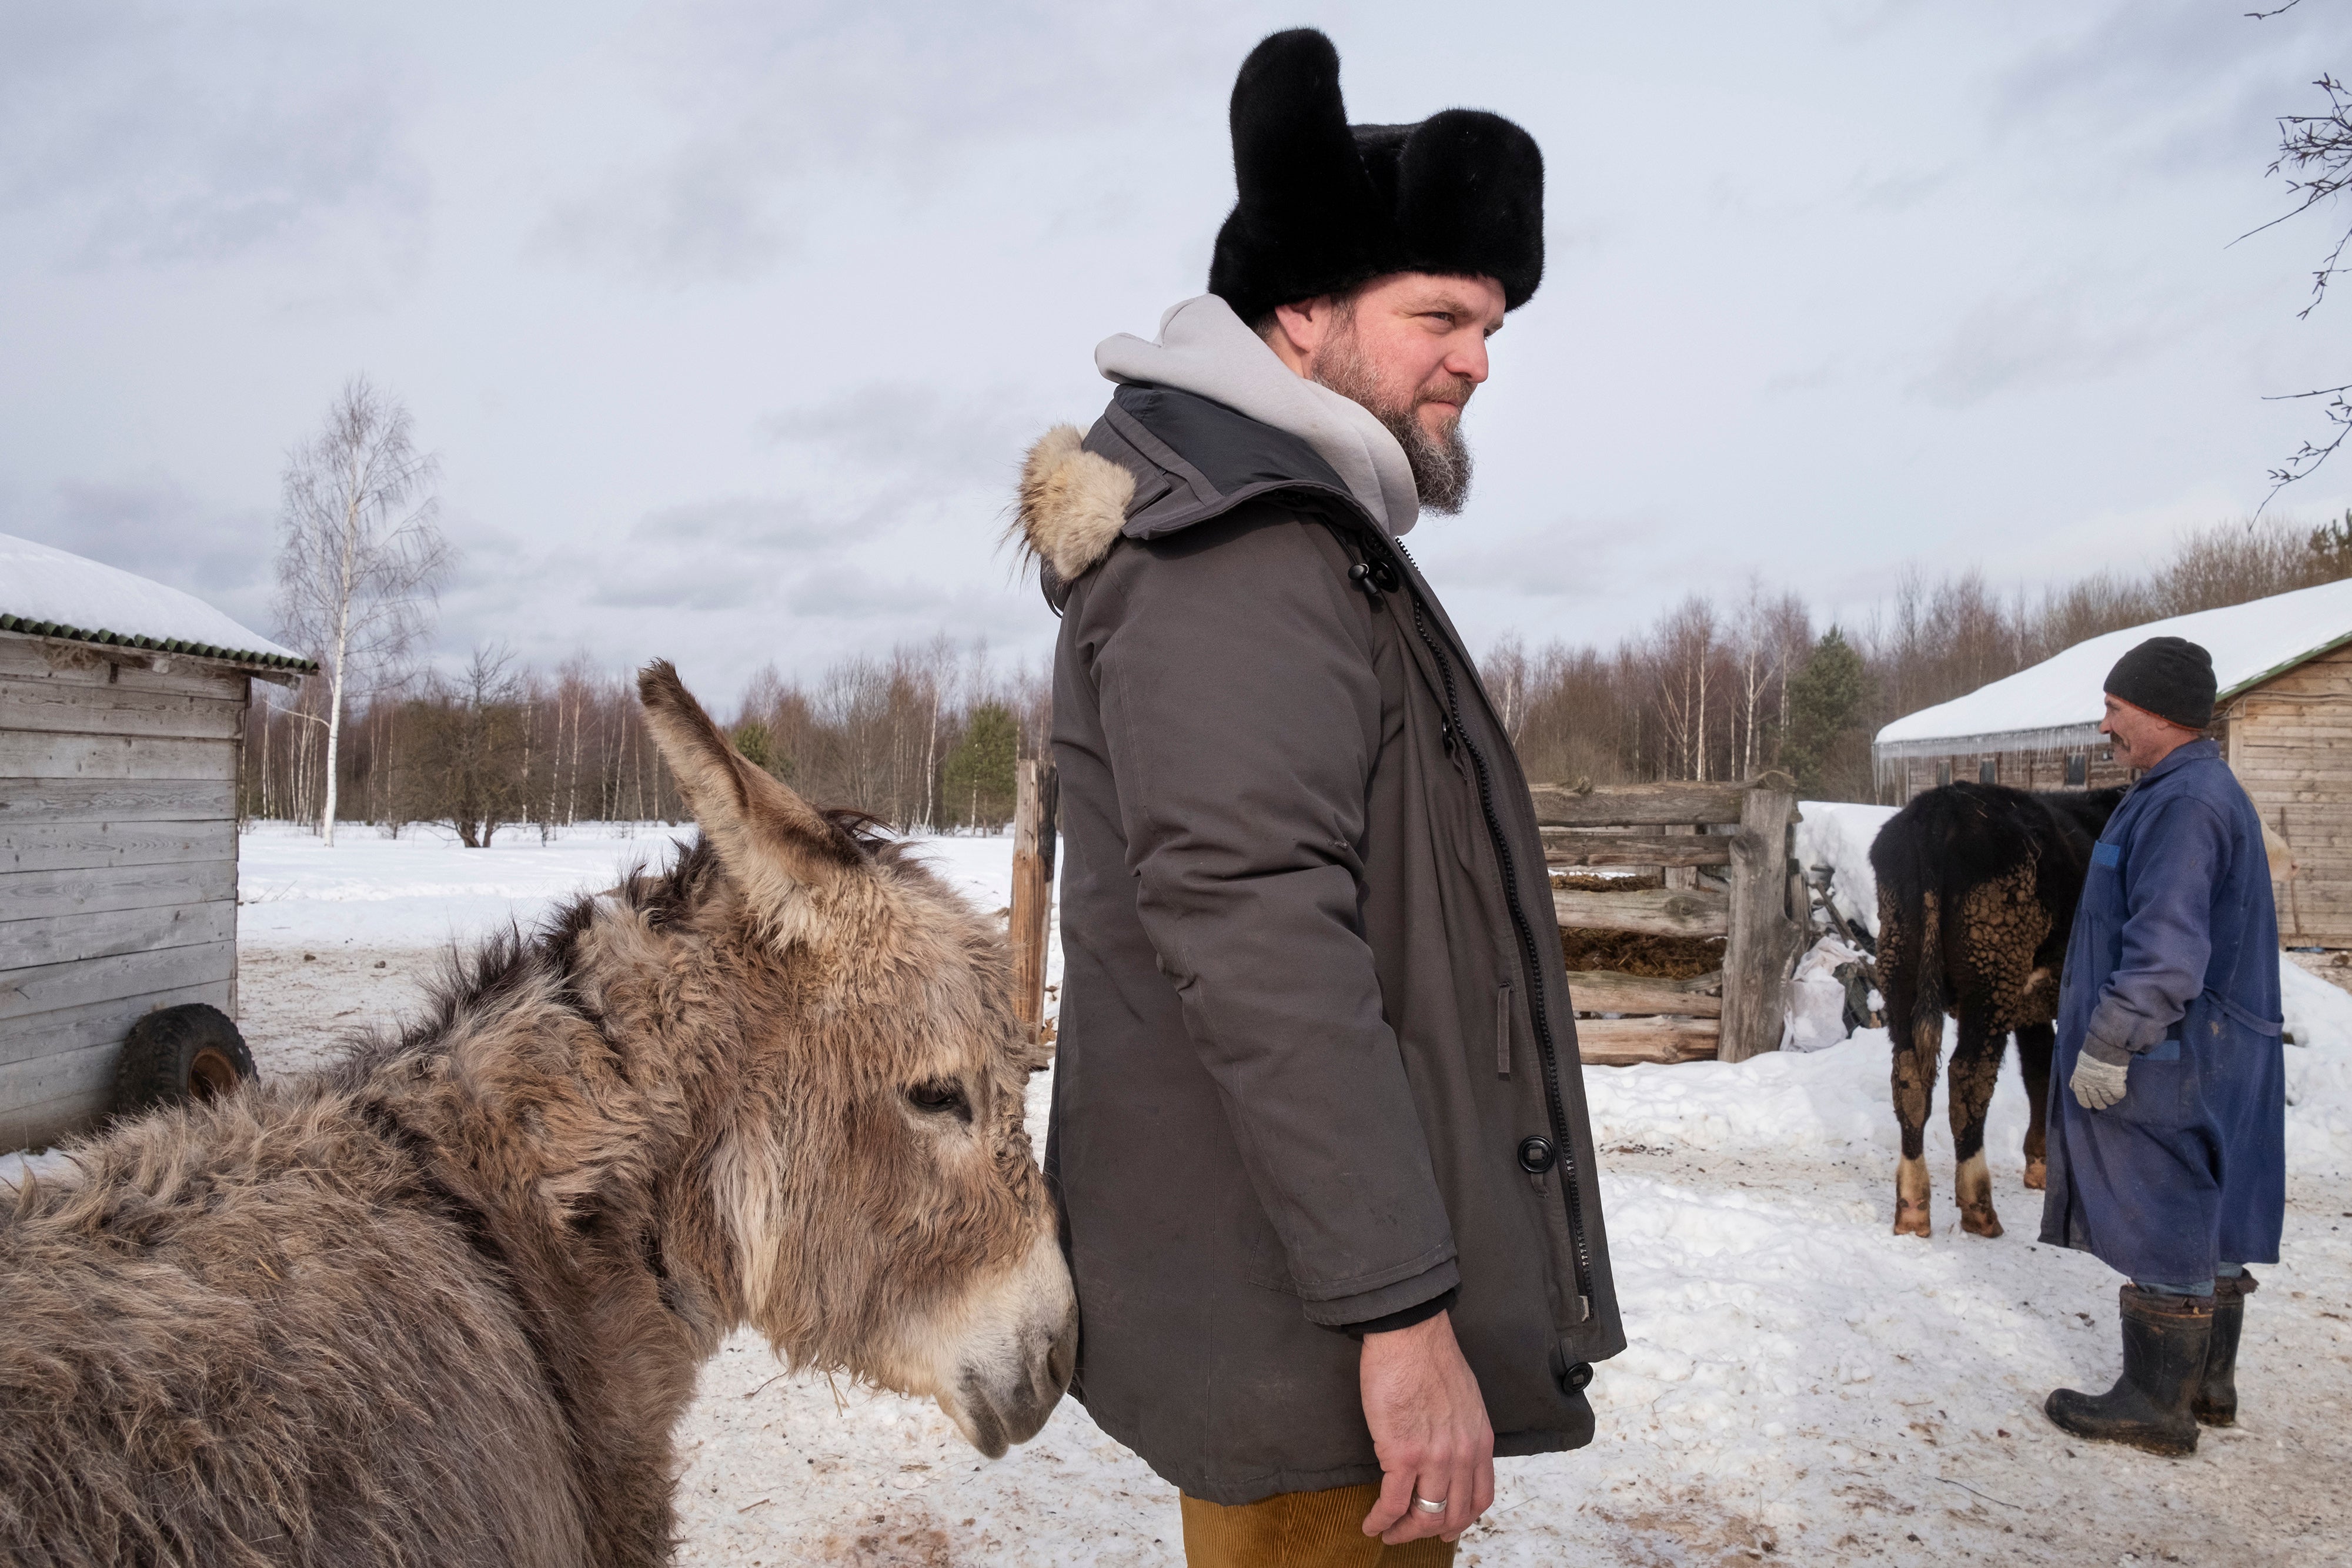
[2035,1041]
[1976,1068]
[1915,1059]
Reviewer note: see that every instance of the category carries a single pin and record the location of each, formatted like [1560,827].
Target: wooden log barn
[2284,716]
[122,706]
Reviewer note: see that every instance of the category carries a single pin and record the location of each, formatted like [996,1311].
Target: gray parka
[1317,1062]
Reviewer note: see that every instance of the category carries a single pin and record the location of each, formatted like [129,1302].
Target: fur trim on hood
[1073,503]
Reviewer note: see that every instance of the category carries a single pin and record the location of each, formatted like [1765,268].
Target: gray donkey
[443,1304]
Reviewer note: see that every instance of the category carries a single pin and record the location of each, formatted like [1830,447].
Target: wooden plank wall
[2018,770]
[2290,743]
[1729,1015]
[117,866]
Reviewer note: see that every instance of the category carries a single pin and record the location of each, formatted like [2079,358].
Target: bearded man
[1319,1130]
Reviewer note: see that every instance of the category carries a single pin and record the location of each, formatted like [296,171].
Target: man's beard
[1441,463]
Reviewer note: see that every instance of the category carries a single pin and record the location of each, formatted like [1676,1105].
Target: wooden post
[1037,796]
[1763,939]
[1680,878]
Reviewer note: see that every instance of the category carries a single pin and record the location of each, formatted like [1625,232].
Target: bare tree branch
[2311,454]
[2315,157]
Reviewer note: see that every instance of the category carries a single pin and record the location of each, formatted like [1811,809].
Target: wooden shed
[2284,666]
[122,707]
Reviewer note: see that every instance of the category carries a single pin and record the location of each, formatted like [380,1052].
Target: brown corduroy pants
[1300,1529]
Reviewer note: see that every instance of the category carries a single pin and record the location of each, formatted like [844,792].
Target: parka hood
[1203,348]
[1203,421]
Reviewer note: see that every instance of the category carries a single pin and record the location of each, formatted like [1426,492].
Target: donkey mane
[507,965]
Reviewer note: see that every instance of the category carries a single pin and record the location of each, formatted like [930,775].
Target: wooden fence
[1723,853]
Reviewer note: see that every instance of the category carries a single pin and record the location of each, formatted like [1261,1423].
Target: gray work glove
[2098,1084]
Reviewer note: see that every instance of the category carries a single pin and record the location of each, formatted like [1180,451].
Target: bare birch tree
[360,561]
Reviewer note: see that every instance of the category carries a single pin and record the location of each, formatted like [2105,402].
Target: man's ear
[772,842]
[1295,332]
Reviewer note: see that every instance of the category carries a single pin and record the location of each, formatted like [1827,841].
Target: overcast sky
[729,322]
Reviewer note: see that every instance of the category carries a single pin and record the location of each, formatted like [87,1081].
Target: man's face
[2142,739]
[1412,347]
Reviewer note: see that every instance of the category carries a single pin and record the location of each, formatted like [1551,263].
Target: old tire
[175,1055]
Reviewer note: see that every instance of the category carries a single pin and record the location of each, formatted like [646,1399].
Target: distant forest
[927,737]
[923,739]
[1718,690]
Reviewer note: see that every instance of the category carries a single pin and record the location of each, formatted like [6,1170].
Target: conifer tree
[1826,705]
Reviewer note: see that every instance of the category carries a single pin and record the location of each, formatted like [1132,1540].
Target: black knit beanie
[2171,677]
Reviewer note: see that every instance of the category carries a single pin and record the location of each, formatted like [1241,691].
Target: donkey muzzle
[1016,1365]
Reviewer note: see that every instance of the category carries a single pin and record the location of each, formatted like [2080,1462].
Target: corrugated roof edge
[156,644]
[2052,737]
[2280,668]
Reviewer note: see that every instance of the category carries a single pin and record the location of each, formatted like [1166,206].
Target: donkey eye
[939,1097]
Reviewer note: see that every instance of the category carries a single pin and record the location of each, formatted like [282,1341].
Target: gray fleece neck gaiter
[1204,349]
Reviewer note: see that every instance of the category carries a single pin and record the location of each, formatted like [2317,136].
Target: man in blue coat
[2167,1121]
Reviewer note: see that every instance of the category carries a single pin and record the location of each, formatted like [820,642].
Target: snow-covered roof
[48,593]
[2060,698]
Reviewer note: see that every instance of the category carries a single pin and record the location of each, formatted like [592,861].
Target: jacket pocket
[1503,1030]
[2155,1092]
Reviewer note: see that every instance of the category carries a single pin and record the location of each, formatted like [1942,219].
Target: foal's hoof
[1911,1219]
[1981,1220]
[2037,1174]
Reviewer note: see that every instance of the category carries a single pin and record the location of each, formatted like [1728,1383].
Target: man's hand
[1429,1427]
[2098,1084]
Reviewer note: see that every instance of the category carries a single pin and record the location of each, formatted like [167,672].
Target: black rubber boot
[2217,1391]
[2165,1342]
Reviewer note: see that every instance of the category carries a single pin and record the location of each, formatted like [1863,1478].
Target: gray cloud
[161,135]
[157,527]
[2028,342]
[698,216]
[894,438]
[735,522]
[2166,84]
[769,101]
[1901,191]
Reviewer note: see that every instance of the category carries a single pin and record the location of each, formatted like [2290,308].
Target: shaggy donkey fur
[444,1302]
[1976,889]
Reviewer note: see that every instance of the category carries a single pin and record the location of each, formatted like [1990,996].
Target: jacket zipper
[1546,1052]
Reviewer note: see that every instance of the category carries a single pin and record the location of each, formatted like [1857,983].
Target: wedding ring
[1427,1505]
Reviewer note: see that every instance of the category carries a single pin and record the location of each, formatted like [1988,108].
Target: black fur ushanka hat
[1325,205]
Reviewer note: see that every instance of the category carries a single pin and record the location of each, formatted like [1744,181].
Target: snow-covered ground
[422,889]
[1833,840]
[1801,1385]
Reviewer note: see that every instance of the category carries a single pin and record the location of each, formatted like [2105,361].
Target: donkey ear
[768,838]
